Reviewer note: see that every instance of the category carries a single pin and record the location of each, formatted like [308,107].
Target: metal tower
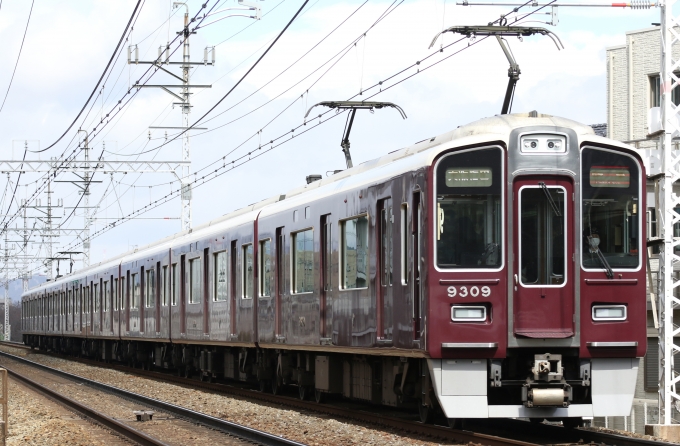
[668,216]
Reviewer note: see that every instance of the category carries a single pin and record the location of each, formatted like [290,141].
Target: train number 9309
[469,291]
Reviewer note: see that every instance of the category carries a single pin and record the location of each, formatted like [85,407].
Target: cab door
[543,276]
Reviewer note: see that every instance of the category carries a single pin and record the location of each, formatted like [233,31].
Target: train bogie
[493,271]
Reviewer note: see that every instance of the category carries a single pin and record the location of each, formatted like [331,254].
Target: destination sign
[469,177]
[610,176]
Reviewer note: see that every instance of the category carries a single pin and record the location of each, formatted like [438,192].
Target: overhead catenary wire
[204,179]
[120,105]
[30,12]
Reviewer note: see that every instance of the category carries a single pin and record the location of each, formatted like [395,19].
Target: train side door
[543,276]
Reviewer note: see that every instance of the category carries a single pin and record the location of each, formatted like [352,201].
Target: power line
[115,112]
[96,87]
[18,57]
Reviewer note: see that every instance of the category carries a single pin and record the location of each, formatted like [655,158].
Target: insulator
[640,4]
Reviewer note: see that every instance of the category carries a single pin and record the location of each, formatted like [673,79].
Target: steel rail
[120,428]
[234,429]
[497,427]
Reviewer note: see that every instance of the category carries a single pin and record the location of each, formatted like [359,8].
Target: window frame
[244,247]
[261,268]
[190,266]
[565,224]
[293,269]
[641,181]
[150,288]
[341,263]
[503,228]
[134,279]
[216,275]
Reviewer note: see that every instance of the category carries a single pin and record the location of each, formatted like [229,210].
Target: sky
[334,50]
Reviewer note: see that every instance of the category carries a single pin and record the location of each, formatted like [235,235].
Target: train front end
[536,288]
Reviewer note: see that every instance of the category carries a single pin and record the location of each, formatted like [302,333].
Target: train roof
[422,153]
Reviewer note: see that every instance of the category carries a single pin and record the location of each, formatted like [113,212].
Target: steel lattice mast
[668,201]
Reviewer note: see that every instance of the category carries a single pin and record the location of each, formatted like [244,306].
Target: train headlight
[609,313]
[467,313]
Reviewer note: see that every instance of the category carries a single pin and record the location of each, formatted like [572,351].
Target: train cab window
[220,277]
[354,270]
[610,209]
[303,261]
[247,267]
[543,238]
[175,285]
[135,291]
[194,280]
[468,214]
[150,292]
[265,270]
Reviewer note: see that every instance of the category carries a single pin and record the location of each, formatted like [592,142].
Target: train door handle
[516,279]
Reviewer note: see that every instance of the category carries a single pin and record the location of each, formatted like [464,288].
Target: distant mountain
[16,287]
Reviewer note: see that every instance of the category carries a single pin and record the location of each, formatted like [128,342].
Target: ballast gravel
[34,420]
[305,427]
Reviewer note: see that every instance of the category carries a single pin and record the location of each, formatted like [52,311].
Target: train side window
[123,293]
[354,270]
[195,280]
[386,252]
[404,244]
[116,295]
[265,270]
[96,298]
[107,295]
[165,285]
[303,261]
[175,285]
[280,259]
[220,277]
[150,292]
[85,303]
[328,253]
[135,291]
[247,271]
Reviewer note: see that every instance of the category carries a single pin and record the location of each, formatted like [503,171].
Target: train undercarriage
[538,381]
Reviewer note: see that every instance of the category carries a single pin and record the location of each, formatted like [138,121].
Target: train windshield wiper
[594,248]
[553,205]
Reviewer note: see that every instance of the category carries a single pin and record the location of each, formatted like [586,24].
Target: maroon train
[492,271]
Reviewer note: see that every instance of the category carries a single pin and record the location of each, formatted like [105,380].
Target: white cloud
[69,43]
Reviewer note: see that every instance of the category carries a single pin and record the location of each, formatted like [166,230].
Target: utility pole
[6,322]
[667,217]
[185,88]
[48,227]
[86,203]
[185,103]
[186,109]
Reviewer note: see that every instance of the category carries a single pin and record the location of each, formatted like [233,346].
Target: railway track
[487,432]
[238,435]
